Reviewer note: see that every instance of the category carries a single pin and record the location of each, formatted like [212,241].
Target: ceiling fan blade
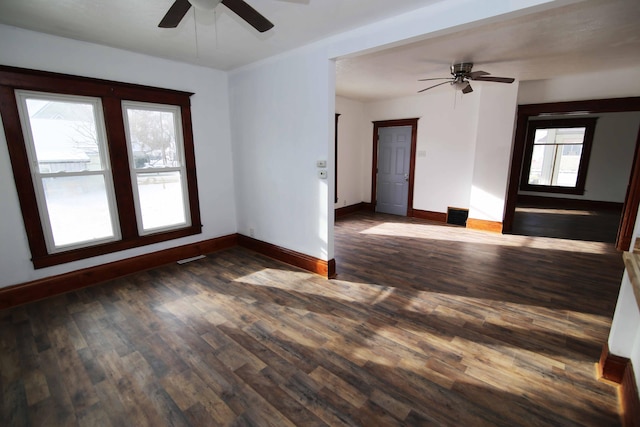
[467,88]
[475,74]
[175,14]
[436,78]
[495,79]
[249,14]
[431,87]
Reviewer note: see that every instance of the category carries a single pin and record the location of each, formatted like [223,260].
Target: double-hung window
[66,147]
[557,155]
[99,166]
[154,142]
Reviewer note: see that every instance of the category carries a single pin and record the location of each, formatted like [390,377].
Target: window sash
[47,212]
[142,203]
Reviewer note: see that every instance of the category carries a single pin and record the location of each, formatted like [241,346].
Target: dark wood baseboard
[306,262]
[55,285]
[564,203]
[430,216]
[331,269]
[348,210]
[610,366]
[619,370]
[369,207]
[629,400]
[484,225]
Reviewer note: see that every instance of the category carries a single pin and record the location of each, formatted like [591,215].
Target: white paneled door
[394,154]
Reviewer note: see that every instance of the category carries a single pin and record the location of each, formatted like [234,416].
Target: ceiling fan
[462,75]
[179,9]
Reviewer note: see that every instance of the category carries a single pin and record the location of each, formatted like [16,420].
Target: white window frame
[177,123]
[38,177]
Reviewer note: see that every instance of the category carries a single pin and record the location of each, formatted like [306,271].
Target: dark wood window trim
[589,124]
[112,94]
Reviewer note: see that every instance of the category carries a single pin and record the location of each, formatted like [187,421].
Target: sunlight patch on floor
[300,282]
[440,304]
[463,235]
[549,211]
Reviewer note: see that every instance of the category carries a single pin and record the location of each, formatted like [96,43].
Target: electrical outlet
[322,173]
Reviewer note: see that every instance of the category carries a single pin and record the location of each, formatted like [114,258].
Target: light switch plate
[321,163]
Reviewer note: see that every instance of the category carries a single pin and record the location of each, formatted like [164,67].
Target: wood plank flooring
[596,225]
[426,324]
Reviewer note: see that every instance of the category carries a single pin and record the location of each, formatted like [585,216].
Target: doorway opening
[528,113]
[393,166]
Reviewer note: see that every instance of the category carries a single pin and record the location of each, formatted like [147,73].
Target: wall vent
[457,216]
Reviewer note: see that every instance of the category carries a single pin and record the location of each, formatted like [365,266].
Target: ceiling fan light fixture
[459,84]
[205,4]
[179,9]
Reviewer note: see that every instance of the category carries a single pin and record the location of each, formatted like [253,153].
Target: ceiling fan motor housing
[460,70]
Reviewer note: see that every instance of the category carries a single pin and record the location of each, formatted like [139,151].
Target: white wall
[624,336]
[210,118]
[612,156]
[494,140]
[282,118]
[619,83]
[624,340]
[354,146]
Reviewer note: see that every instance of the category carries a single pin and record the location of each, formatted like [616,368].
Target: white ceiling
[588,36]
[217,39]
[585,37]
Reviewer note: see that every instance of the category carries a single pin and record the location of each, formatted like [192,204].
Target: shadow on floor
[573,224]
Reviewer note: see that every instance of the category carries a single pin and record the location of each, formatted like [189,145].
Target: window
[99,166]
[557,155]
[65,144]
[154,140]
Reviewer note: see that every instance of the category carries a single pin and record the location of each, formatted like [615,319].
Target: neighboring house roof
[65,111]
[60,135]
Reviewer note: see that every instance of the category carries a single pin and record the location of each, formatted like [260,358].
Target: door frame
[611,105]
[412,159]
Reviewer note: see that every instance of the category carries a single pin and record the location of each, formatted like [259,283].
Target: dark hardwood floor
[426,324]
[594,225]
